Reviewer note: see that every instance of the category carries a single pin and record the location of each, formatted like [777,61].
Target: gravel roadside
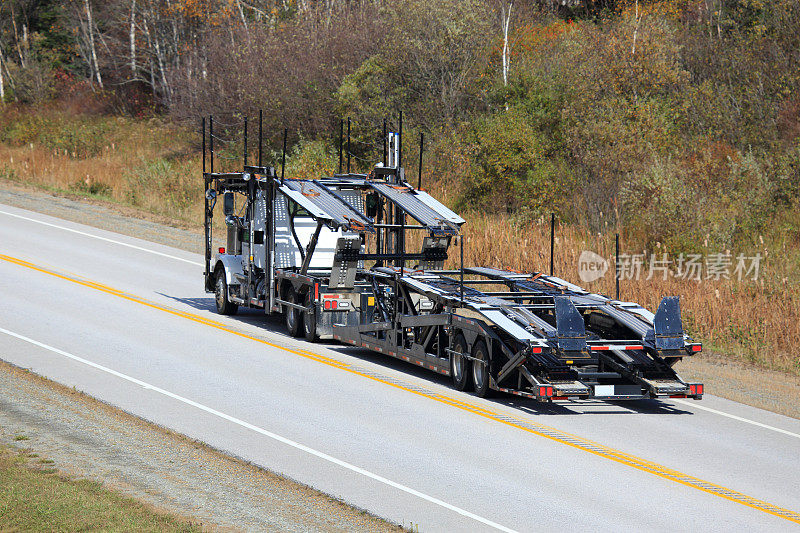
[92,440]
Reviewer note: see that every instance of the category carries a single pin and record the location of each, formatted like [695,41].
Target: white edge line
[739,418]
[266,433]
[102,238]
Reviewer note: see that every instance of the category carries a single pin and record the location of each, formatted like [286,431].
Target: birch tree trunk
[132,36]
[2,80]
[16,37]
[506,16]
[91,43]
[506,21]
[244,21]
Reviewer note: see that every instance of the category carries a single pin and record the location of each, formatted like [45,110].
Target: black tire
[292,315]
[309,320]
[460,366]
[224,305]
[480,370]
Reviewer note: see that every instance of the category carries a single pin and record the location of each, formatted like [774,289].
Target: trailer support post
[552,241]
[260,137]
[461,269]
[616,265]
[207,227]
[211,139]
[312,245]
[341,143]
[399,147]
[283,156]
[270,264]
[421,145]
[348,145]
[203,127]
[245,141]
[385,140]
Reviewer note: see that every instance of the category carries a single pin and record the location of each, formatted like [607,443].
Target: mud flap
[667,328]
[571,330]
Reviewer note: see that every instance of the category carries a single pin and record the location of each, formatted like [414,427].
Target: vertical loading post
[283,156]
[616,265]
[348,145]
[207,230]
[385,141]
[206,221]
[400,216]
[552,241]
[461,267]
[211,139]
[341,143]
[421,145]
[399,147]
[260,137]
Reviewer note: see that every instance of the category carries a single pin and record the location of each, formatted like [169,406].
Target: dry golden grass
[147,164]
[155,167]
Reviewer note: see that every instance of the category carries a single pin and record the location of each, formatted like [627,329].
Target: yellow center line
[535,428]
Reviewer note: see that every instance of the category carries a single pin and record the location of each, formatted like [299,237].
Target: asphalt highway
[127,321]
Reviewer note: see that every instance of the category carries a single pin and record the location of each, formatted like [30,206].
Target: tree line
[672,116]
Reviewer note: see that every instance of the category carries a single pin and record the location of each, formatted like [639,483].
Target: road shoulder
[88,439]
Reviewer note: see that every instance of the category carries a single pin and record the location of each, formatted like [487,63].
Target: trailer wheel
[460,365]
[292,314]
[309,320]
[224,305]
[480,369]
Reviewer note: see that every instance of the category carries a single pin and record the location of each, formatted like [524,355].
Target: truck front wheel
[224,306]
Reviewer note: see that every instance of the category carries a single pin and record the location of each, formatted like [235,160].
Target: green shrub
[78,136]
[311,160]
[88,186]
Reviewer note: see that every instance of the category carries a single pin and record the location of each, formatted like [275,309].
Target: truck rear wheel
[459,364]
[309,320]
[292,314]
[224,306]
[480,369]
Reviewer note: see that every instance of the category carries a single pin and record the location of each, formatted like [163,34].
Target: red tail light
[222,249]
[700,389]
[549,391]
[697,347]
[334,304]
[542,391]
[327,304]
[693,389]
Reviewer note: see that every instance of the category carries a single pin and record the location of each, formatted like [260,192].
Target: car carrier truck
[333,256]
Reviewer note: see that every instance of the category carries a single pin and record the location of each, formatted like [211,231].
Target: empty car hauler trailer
[332,256]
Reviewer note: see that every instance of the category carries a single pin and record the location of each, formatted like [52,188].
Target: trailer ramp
[422,207]
[324,204]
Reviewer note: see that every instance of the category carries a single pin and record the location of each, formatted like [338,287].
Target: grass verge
[34,497]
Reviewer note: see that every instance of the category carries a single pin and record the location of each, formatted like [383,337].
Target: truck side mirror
[227,205]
